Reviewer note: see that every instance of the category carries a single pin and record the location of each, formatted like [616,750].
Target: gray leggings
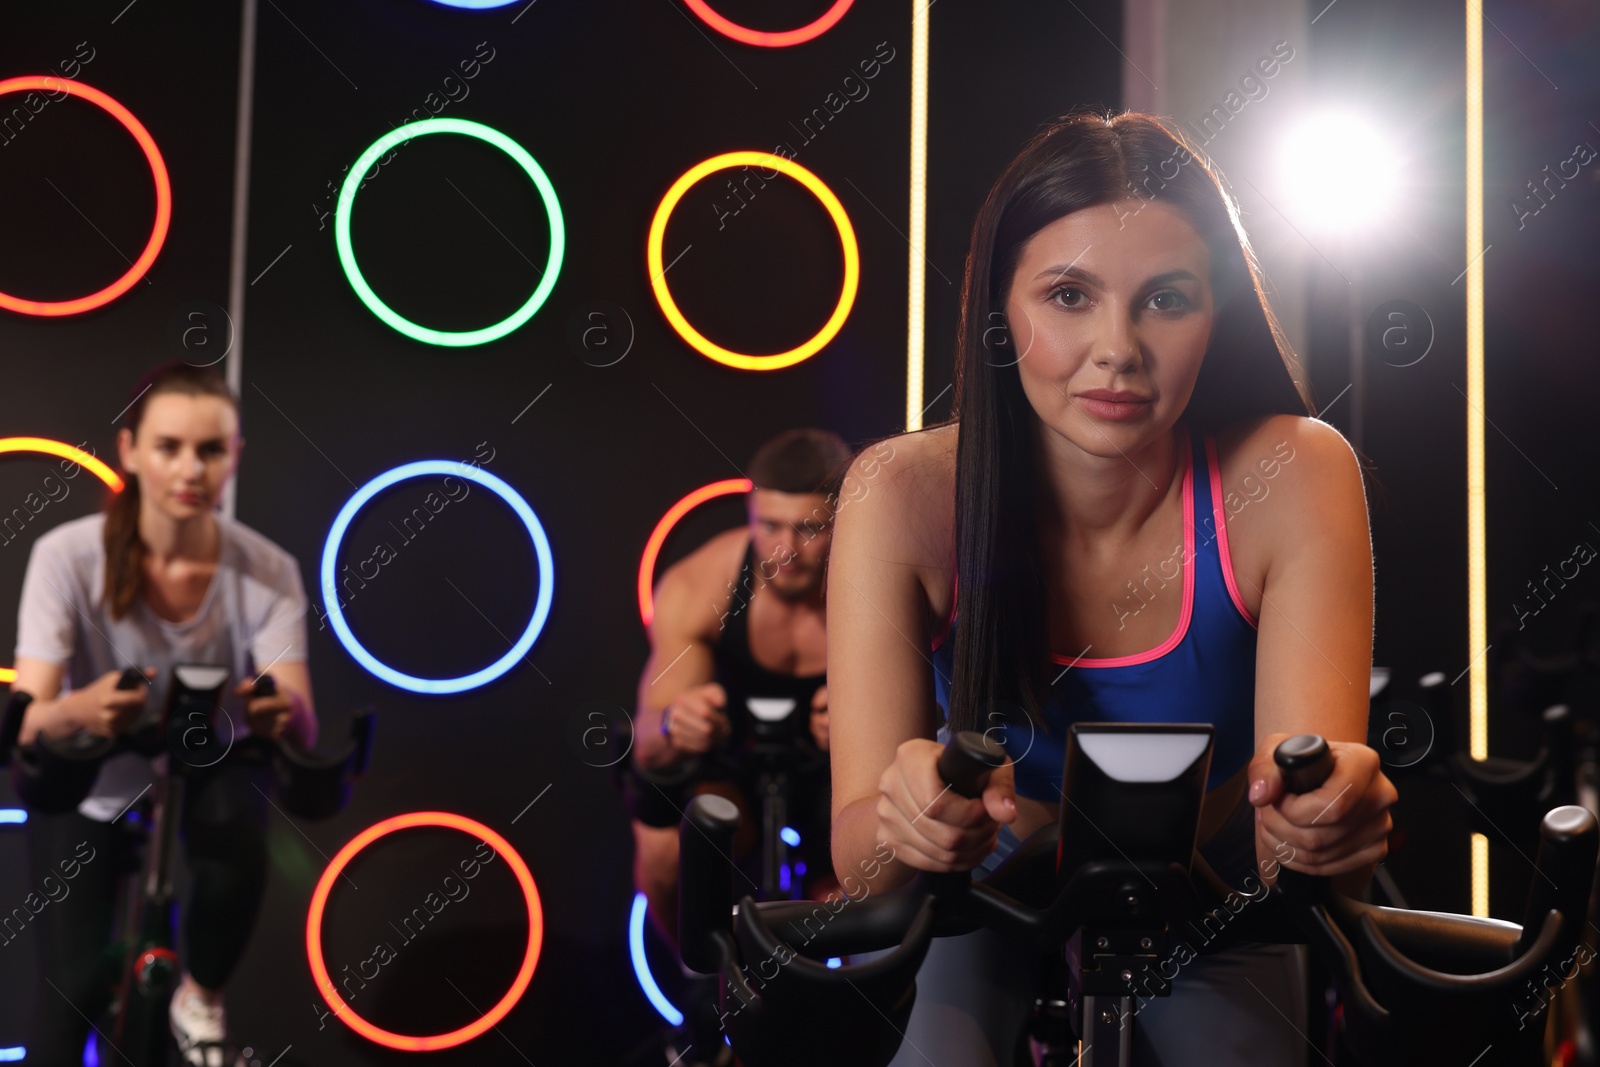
[1244,1006]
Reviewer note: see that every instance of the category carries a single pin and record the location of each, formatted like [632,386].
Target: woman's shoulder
[1266,442]
[1303,463]
[903,488]
[917,464]
[254,552]
[81,539]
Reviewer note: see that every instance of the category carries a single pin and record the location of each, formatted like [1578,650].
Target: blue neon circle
[475,5]
[641,965]
[541,546]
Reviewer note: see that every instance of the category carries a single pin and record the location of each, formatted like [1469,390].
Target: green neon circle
[347,255]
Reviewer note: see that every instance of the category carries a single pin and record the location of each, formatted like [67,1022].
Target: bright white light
[1338,173]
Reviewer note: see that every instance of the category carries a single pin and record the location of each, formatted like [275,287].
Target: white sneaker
[200,1029]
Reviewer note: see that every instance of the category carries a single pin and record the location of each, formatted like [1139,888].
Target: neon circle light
[57,448]
[641,963]
[847,238]
[347,256]
[541,547]
[158,170]
[781,39]
[658,536]
[319,903]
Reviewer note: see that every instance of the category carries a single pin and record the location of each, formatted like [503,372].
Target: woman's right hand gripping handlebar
[109,705]
[928,822]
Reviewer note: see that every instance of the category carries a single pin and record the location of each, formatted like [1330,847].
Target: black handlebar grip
[1561,744]
[264,687]
[361,736]
[968,760]
[705,879]
[1306,762]
[1569,839]
[132,678]
[16,708]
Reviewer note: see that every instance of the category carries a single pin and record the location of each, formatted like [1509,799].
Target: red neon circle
[319,901]
[158,169]
[652,547]
[65,451]
[770,40]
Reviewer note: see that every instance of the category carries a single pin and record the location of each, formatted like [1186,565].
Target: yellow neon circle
[847,238]
[57,448]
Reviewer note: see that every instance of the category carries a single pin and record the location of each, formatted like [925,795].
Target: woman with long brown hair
[1143,523]
[160,579]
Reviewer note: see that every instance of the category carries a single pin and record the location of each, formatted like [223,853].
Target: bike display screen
[1133,789]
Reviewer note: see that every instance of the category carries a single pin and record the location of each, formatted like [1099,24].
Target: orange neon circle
[770,40]
[158,170]
[319,901]
[65,451]
[652,548]
[847,238]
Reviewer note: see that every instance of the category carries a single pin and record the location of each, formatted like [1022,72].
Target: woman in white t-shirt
[160,579]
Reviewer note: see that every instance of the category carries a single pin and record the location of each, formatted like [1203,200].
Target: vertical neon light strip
[244,125]
[916,282]
[13,1053]
[1477,554]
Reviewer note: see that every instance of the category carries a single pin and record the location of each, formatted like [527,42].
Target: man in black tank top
[738,664]
[742,678]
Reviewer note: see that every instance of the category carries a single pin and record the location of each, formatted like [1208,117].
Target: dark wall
[614,102]
[1403,66]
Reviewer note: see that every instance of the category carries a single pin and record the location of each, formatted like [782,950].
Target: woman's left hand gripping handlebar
[1339,827]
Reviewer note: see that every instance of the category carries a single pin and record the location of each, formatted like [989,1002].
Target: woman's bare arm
[880,686]
[1314,655]
[47,712]
[890,814]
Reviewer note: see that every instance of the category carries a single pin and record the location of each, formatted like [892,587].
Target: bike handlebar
[967,762]
[1401,971]
[53,778]
[657,796]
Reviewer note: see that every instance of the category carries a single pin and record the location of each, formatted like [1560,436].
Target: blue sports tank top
[1203,672]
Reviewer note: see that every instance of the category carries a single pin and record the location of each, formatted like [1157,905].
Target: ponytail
[125,549]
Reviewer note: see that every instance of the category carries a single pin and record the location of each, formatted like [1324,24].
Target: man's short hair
[804,460]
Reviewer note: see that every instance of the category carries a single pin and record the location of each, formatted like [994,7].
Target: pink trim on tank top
[1188,589]
[1222,532]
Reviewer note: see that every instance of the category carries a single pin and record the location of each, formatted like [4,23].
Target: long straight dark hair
[1001,646]
[125,549]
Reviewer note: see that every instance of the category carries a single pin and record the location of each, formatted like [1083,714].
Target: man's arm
[681,636]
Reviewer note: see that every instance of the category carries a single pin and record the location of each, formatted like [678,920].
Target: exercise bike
[772,756]
[54,777]
[1504,797]
[1119,875]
